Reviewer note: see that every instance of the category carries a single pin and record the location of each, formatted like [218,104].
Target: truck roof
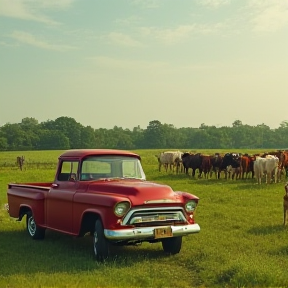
[82,153]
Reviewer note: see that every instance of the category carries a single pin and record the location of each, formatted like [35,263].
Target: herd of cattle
[270,166]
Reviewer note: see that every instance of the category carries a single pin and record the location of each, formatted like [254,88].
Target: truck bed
[30,195]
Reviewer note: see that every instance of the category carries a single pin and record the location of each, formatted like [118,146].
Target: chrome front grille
[154,216]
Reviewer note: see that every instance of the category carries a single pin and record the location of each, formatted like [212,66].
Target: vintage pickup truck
[105,193]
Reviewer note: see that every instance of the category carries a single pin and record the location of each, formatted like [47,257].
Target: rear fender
[24,209]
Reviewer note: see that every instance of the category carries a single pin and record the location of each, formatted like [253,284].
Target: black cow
[230,159]
[216,161]
[193,161]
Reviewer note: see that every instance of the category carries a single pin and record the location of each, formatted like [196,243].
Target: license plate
[163,232]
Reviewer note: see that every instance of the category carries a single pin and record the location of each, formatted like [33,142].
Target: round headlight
[121,208]
[190,206]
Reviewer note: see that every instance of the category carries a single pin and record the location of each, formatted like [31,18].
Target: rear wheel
[100,243]
[33,229]
[172,245]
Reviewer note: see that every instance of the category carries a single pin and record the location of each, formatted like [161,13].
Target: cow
[258,167]
[216,161]
[193,161]
[244,166]
[251,158]
[272,165]
[266,166]
[283,164]
[283,160]
[230,159]
[233,172]
[169,159]
[285,203]
[206,165]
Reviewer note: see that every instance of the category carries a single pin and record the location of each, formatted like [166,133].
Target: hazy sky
[125,63]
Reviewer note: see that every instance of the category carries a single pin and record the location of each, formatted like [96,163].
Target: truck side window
[68,171]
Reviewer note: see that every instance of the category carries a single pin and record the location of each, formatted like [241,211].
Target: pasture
[242,242]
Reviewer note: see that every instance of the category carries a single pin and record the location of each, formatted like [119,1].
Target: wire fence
[28,165]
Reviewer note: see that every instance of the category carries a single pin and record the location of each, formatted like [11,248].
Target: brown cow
[206,165]
[285,162]
[244,166]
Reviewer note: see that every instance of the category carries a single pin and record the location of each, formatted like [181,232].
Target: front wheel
[172,245]
[33,229]
[100,243]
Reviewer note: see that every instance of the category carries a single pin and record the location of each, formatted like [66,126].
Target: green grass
[242,242]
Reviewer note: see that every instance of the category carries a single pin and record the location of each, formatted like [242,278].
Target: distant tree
[281,134]
[15,136]
[3,144]
[171,136]
[155,136]
[137,136]
[66,133]
[71,129]
[87,136]
[29,123]
[53,140]
[237,123]
[100,137]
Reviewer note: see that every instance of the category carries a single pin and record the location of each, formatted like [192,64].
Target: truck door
[59,201]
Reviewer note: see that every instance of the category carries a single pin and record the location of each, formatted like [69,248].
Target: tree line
[66,133]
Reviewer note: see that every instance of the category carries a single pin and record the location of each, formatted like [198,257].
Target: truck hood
[139,192]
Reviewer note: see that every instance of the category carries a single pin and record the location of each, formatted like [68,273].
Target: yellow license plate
[163,232]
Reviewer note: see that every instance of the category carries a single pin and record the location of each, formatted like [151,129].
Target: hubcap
[31,226]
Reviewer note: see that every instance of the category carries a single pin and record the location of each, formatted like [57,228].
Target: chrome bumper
[142,233]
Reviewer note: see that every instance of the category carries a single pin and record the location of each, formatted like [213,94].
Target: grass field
[242,242]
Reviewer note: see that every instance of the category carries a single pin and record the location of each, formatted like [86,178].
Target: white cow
[170,159]
[267,166]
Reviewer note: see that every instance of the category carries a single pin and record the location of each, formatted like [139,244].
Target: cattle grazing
[285,203]
[170,159]
[20,162]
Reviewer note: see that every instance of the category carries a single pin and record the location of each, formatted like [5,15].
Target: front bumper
[146,233]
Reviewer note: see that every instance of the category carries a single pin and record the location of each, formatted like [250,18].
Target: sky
[125,63]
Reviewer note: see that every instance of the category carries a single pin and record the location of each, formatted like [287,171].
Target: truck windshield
[97,167]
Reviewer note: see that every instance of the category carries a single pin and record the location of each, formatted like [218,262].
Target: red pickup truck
[105,193]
